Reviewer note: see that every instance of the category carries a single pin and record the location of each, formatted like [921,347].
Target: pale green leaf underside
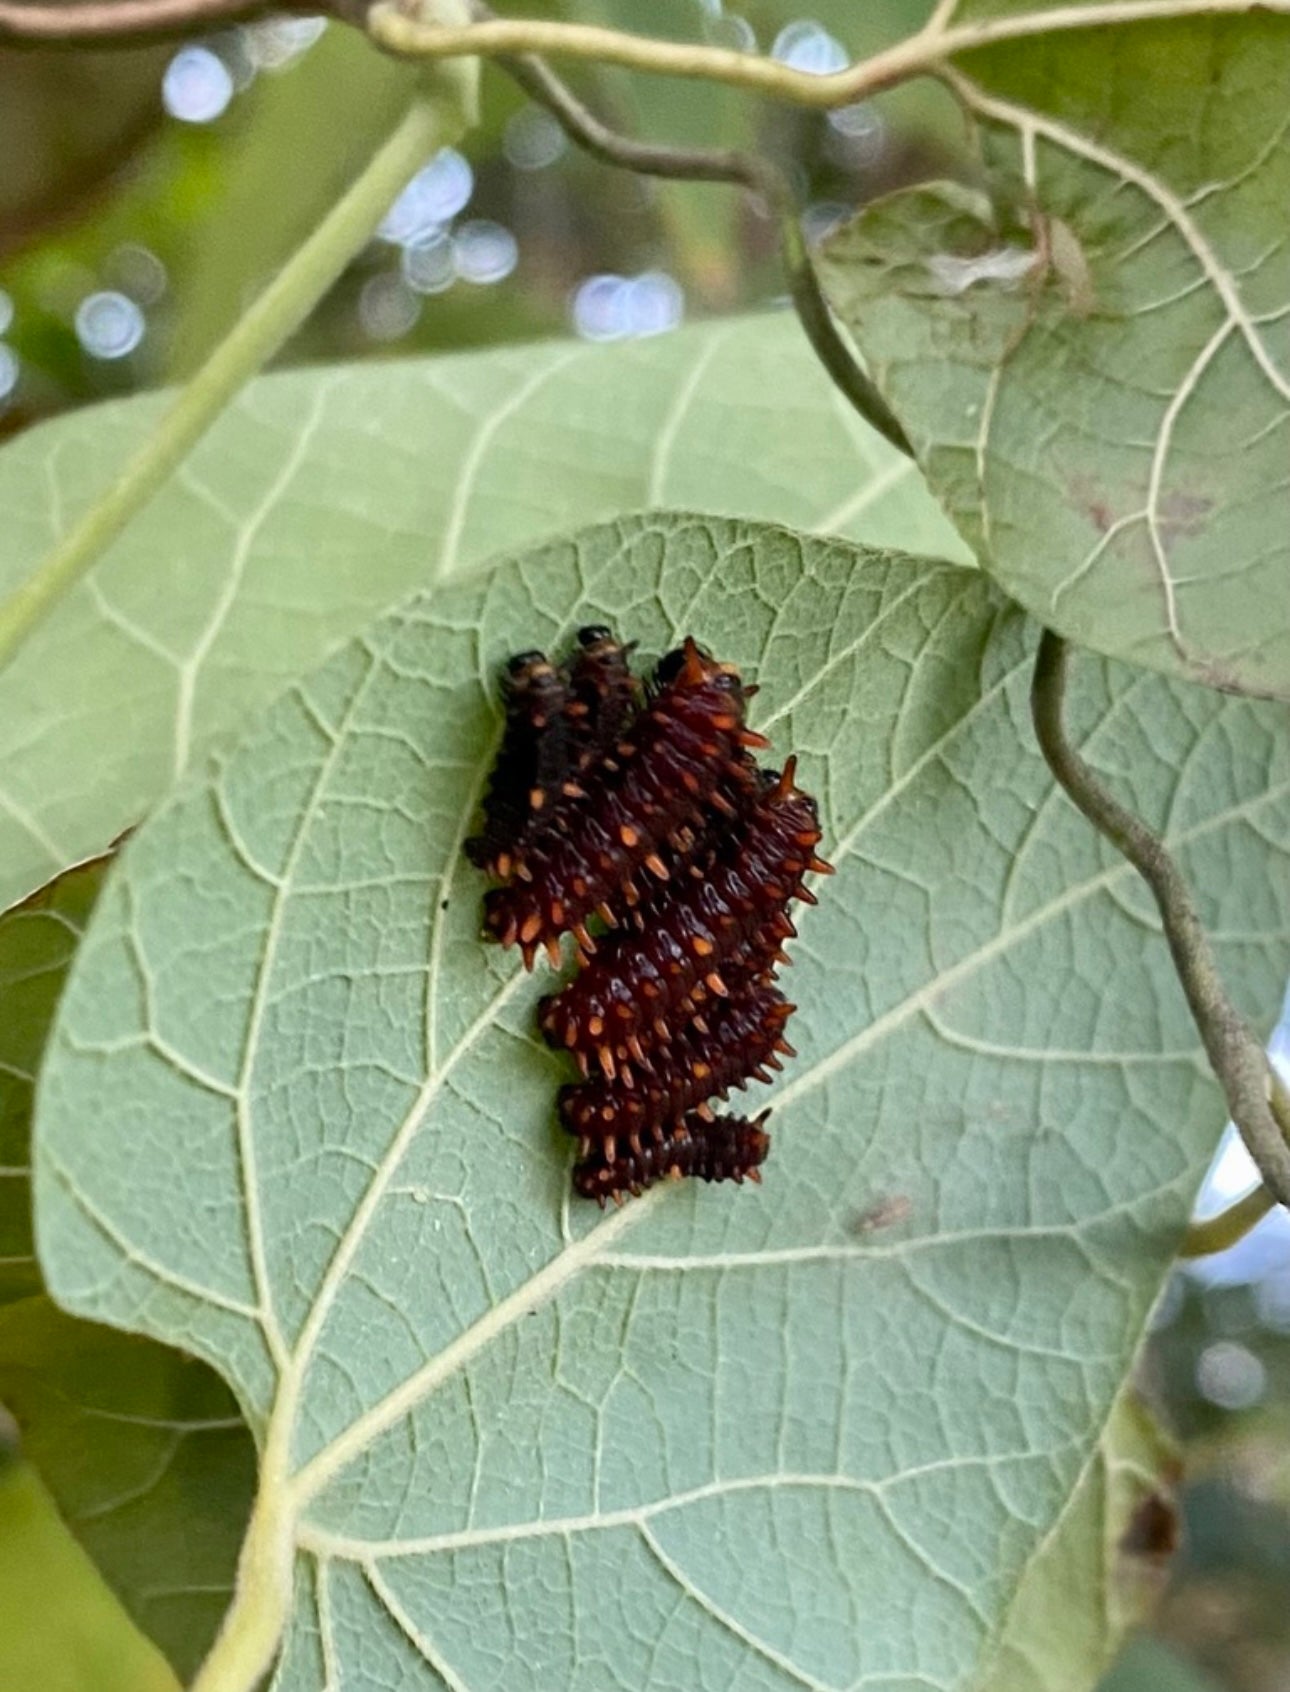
[295,1118]
[1112,432]
[323,496]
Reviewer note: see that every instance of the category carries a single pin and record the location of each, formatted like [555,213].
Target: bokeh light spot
[728,29]
[532,139]
[197,85]
[137,271]
[427,265]
[1230,1375]
[433,197]
[484,251]
[821,219]
[275,43]
[387,307]
[807,46]
[618,308]
[108,324]
[10,369]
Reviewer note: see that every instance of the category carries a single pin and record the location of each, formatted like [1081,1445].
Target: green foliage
[324,496]
[1095,369]
[37,943]
[147,1458]
[1086,1583]
[141,1447]
[60,1629]
[294,1117]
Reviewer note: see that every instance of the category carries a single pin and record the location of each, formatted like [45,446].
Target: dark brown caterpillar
[687,741]
[533,762]
[604,695]
[745,1035]
[727,920]
[729,1148]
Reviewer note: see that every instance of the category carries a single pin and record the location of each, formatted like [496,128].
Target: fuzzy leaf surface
[1095,368]
[296,1118]
[325,495]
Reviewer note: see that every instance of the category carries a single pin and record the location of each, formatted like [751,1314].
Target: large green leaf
[147,1458]
[295,1117]
[1107,425]
[37,943]
[325,495]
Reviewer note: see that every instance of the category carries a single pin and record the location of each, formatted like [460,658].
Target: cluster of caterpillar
[642,812]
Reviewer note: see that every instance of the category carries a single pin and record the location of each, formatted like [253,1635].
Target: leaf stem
[1218,1233]
[248,1641]
[393,27]
[270,321]
[740,169]
[1236,1054]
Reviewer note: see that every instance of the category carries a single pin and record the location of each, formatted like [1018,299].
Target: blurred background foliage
[146,195]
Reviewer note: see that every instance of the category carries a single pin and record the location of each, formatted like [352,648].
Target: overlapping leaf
[141,1446]
[60,1629]
[296,1119]
[1096,369]
[146,1456]
[323,496]
[37,943]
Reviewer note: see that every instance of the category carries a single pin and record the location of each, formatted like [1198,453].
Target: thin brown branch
[32,22]
[739,169]
[1234,1050]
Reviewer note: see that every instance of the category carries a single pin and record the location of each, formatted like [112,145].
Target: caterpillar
[533,762]
[604,695]
[742,1044]
[642,809]
[729,1148]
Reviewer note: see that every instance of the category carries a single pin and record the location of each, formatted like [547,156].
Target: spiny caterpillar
[647,816]
[743,1039]
[728,1148]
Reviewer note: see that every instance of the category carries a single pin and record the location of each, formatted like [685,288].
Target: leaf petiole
[1218,1233]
